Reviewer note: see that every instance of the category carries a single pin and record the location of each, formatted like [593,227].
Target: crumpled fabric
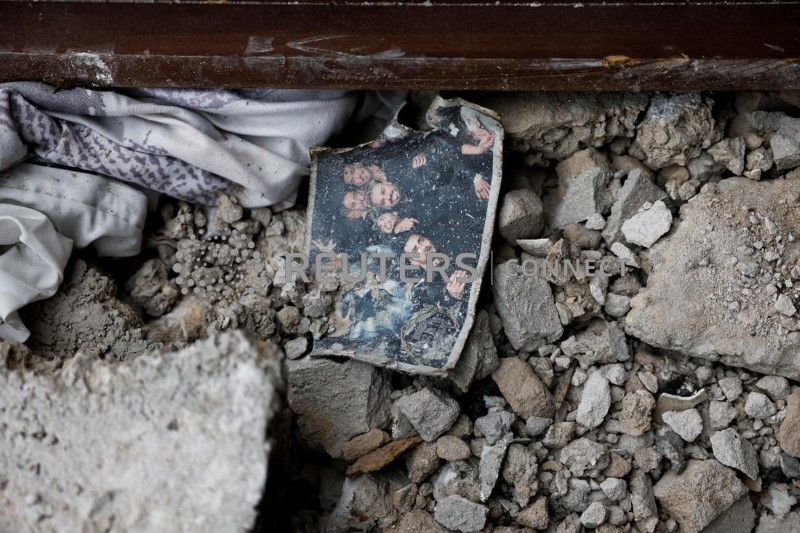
[190,144]
[46,211]
[32,260]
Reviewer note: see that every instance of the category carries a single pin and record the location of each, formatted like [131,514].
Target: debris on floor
[632,366]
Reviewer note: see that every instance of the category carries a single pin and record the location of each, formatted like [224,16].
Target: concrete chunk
[163,442]
[335,402]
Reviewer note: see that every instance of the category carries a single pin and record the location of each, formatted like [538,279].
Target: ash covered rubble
[658,397]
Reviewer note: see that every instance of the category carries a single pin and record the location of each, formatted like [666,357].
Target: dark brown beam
[447,45]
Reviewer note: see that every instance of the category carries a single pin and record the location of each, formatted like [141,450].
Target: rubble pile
[657,393]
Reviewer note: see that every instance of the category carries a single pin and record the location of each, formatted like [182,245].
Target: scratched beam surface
[444,44]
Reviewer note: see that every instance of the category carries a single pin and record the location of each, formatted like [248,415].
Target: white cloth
[43,213]
[90,210]
[191,144]
[32,260]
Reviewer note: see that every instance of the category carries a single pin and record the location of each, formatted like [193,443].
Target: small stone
[789,433]
[758,406]
[520,470]
[625,253]
[583,455]
[460,514]
[594,515]
[457,478]
[452,448]
[701,493]
[296,348]
[731,449]
[377,459]
[688,424]
[637,190]
[595,401]
[646,227]
[778,499]
[494,425]
[422,461]
[649,380]
[617,305]
[636,415]
[643,502]
[521,215]
[526,307]
[489,468]
[670,445]
[648,459]
[595,222]
[776,387]
[675,129]
[522,389]
[536,247]
[229,210]
[785,306]
[615,374]
[730,154]
[790,466]
[558,435]
[720,414]
[738,518]
[582,180]
[535,515]
[618,466]
[479,357]
[363,444]
[601,342]
[615,489]
[418,521]
[430,411]
[537,425]
[731,388]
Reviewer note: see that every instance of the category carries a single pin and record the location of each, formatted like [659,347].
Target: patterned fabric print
[74,145]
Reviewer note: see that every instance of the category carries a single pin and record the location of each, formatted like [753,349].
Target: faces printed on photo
[359,174]
[422,246]
[384,195]
[391,222]
[380,195]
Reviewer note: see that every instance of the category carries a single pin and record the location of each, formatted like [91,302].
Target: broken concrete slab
[648,225]
[522,388]
[460,514]
[581,191]
[521,216]
[601,342]
[554,125]
[731,449]
[161,442]
[700,299]
[675,129]
[335,402]
[595,401]
[700,494]
[479,358]
[526,307]
[430,411]
[637,190]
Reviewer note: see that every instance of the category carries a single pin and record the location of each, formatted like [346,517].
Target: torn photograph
[404,225]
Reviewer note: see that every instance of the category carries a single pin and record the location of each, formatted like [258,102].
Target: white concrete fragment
[647,226]
[163,442]
[687,424]
[731,449]
[595,401]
